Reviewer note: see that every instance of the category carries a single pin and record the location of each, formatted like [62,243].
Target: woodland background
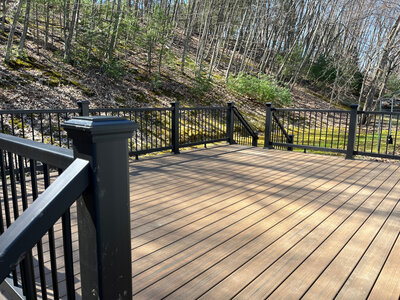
[308,53]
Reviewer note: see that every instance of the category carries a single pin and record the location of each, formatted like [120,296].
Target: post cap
[83,102]
[99,126]
[354,106]
[269,104]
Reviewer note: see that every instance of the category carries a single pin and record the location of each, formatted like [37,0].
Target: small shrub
[201,85]
[114,68]
[323,71]
[393,84]
[263,89]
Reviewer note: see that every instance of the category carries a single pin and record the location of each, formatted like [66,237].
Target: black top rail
[105,110]
[202,108]
[309,110]
[54,156]
[31,226]
[38,111]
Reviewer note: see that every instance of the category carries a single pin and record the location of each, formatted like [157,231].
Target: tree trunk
[12,31]
[68,43]
[382,64]
[26,25]
[115,31]
[234,48]
[3,20]
[189,26]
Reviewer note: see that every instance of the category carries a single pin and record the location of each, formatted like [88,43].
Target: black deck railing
[350,132]
[157,127]
[40,222]
[27,168]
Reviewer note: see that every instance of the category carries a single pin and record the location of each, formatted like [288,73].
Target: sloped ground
[43,80]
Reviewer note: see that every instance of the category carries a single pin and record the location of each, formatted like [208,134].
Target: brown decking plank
[387,285]
[337,258]
[188,207]
[285,190]
[225,181]
[211,254]
[360,282]
[330,282]
[338,225]
[236,259]
[172,180]
[141,167]
[246,272]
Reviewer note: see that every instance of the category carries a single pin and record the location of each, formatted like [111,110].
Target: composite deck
[249,223]
[245,223]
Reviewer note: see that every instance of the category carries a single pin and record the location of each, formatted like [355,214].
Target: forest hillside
[309,53]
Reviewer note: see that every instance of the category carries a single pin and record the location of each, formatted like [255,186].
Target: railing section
[38,125]
[324,130]
[156,126]
[351,132]
[378,134]
[45,235]
[27,170]
[243,133]
[202,125]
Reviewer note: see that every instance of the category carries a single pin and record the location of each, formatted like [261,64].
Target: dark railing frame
[350,135]
[97,169]
[246,125]
[171,115]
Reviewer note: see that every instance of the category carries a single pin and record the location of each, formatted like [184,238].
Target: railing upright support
[175,127]
[268,127]
[103,210]
[290,141]
[255,141]
[230,123]
[84,108]
[351,138]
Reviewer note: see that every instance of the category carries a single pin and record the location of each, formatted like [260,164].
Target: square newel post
[175,127]
[230,123]
[104,209]
[84,108]
[351,138]
[268,127]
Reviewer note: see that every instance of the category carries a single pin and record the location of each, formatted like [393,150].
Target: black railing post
[230,123]
[268,127]
[290,141]
[175,127]
[351,138]
[84,108]
[103,210]
[255,141]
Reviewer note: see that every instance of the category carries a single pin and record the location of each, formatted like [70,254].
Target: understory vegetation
[260,89]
